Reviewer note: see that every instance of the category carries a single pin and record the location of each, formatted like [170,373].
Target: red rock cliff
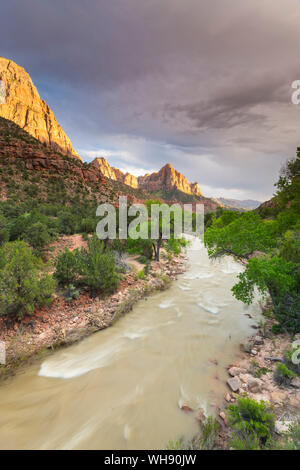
[23,105]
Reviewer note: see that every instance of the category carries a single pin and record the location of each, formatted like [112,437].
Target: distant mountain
[166,179]
[32,141]
[247,204]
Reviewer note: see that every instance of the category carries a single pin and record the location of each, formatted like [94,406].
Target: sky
[202,84]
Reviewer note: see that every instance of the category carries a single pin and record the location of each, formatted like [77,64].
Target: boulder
[247,346]
[282,426]
[296,382]
[258,340]
[254,385]
[234,383]
[235,371]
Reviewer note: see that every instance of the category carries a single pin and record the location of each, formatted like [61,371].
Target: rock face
[23,105]
[114,173]
[166,179]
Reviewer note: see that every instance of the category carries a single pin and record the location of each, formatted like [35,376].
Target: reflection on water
[122,388]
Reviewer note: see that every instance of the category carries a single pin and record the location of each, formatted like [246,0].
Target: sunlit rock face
[24,106]
[114,173]
[168,179]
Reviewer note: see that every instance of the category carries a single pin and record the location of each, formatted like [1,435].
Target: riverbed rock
[185,407]
[258,340]
[255,385]
[236,371]
[282,426]
[234,383]
[247,346]
[295,383]
[228,397]
[223,416]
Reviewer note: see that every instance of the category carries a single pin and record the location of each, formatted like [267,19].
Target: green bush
[252,423]
[140,275]
[68,267]
[4,232]
[283,375]
[37,235]
[67,222]
[174,245]
[99,269]
[87,225]
[291,438]
[140,247]
[288,360]
[204,440]
[71,293]
[21,286]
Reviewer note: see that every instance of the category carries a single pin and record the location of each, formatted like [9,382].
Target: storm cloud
[202,84]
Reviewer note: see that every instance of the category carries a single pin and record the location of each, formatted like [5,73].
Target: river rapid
[122,387]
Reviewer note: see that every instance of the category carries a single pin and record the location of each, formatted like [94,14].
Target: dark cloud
[204,84]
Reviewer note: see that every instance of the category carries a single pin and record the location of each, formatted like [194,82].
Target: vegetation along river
[122,387]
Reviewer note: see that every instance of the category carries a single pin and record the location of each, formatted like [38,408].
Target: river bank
[66,322]
[253,375]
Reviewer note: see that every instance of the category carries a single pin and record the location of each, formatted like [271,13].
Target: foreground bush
[94,267]
[21,287]
[291,438]
[283,375]
[98,268]
[68,267]
[252,423]
[37,236]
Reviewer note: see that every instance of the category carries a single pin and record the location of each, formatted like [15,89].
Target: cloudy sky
[202,84]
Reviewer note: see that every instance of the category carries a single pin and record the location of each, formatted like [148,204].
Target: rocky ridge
[167,178]
[22,104]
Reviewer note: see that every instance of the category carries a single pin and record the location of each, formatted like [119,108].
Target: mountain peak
[166,179]
[23,105]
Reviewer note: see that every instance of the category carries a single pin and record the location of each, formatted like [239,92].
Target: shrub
[283,375]
[204,440]
[68,267]
[21,286]
[4,233]
[87,225]
[292,438]
[67,222]
[71,293]
[209,434]
[37,235]
[277,329]
[174,245]
[288,360]
[252,423]
[140,247]
[140,275]
[99,269]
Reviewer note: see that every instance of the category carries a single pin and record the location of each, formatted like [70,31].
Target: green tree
[98,267]
[241,237]
[68,267]
[21,285]
[67,222]
[4,232]
[37,235]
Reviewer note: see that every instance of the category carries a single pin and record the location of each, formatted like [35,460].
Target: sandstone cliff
[23,105]
[166,179]
[114,173]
